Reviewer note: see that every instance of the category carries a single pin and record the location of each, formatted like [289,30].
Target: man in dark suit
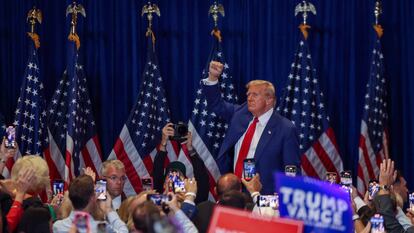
[255,130]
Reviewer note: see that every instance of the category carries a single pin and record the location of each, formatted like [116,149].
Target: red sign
[238,221]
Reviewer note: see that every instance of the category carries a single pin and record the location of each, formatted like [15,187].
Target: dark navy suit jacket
[278,146]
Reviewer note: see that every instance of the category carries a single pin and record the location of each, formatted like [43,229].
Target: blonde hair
[117,164]
[41,171]
[270,90]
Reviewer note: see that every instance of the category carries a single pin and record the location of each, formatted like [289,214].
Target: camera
[180,132]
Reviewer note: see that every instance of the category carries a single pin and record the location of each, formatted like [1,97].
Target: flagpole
[377,12]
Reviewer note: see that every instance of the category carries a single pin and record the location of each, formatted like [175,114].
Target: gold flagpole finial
[216,10]
[32,16]
[75,9]
[377,12]
[304,7]
[148,10]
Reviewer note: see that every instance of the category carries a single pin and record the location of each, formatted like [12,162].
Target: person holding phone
[161,176]
[383,202]
[5,155]
[255,130]
[84,201]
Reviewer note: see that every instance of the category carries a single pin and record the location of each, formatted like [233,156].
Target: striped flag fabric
[207,128]
[302,103]
[30,114]
[73,140]
[140,136]
[373,141]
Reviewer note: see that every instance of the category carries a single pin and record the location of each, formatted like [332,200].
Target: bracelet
[254,194]
[190,194]
[355,217]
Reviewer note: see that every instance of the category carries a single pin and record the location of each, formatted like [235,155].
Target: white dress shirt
[260,126]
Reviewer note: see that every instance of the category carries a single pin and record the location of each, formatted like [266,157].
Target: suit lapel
[267,135]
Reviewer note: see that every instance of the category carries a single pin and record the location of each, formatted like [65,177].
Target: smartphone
[81,221]
[58,187]
[290,170]
[179,186]
[249,169]
[10,142]
[268,201]
[377,224]
[373,188]
[331,177]
[158,199]
[147,184]
[100,189]
[411,200]
[346,178]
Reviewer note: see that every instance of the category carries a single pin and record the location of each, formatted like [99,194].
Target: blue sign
[321,206]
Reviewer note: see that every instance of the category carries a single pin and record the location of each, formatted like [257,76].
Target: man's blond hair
[270,90]
[115,163]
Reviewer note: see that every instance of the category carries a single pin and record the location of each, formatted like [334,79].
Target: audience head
[114,172]
[228,182]
[82,192]
[39,165]
[35,219]
[233,198]
[143,214]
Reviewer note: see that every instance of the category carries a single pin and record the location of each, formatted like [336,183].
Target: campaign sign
[226,220]
[322,207]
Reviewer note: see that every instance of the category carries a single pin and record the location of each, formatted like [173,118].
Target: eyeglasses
[116,178]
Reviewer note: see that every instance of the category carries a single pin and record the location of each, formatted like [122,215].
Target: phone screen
[377,224]
[147,184]
[346,178]
[158,199]
[290,170]
[373,188]
[58,187]
[10,141]
[249,169]
[100,189]
[411,200]
[179,186]
[268,201]
[331,177]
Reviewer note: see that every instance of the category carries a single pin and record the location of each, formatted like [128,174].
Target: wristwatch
[384,187]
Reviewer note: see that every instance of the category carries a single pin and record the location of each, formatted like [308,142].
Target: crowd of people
[172,202]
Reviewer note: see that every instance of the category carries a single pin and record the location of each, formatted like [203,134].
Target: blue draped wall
[260,38]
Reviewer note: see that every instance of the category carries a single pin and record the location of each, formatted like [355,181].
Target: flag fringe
[379,30]
[216,33]
[75,38]
[304,29]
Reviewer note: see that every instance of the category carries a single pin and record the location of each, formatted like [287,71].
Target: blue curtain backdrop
[260,38]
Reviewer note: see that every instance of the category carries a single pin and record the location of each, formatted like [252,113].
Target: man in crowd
[83,198]
[114,173]
[256,131]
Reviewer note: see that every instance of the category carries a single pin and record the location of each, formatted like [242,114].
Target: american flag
[30,121]
[137,144]
[373,141]
[73,141]
[207,128]
[302,103]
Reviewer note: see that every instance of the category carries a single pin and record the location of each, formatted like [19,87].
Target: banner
[232,220]
[322,207]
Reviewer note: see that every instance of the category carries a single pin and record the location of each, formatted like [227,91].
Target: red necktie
[244,149]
